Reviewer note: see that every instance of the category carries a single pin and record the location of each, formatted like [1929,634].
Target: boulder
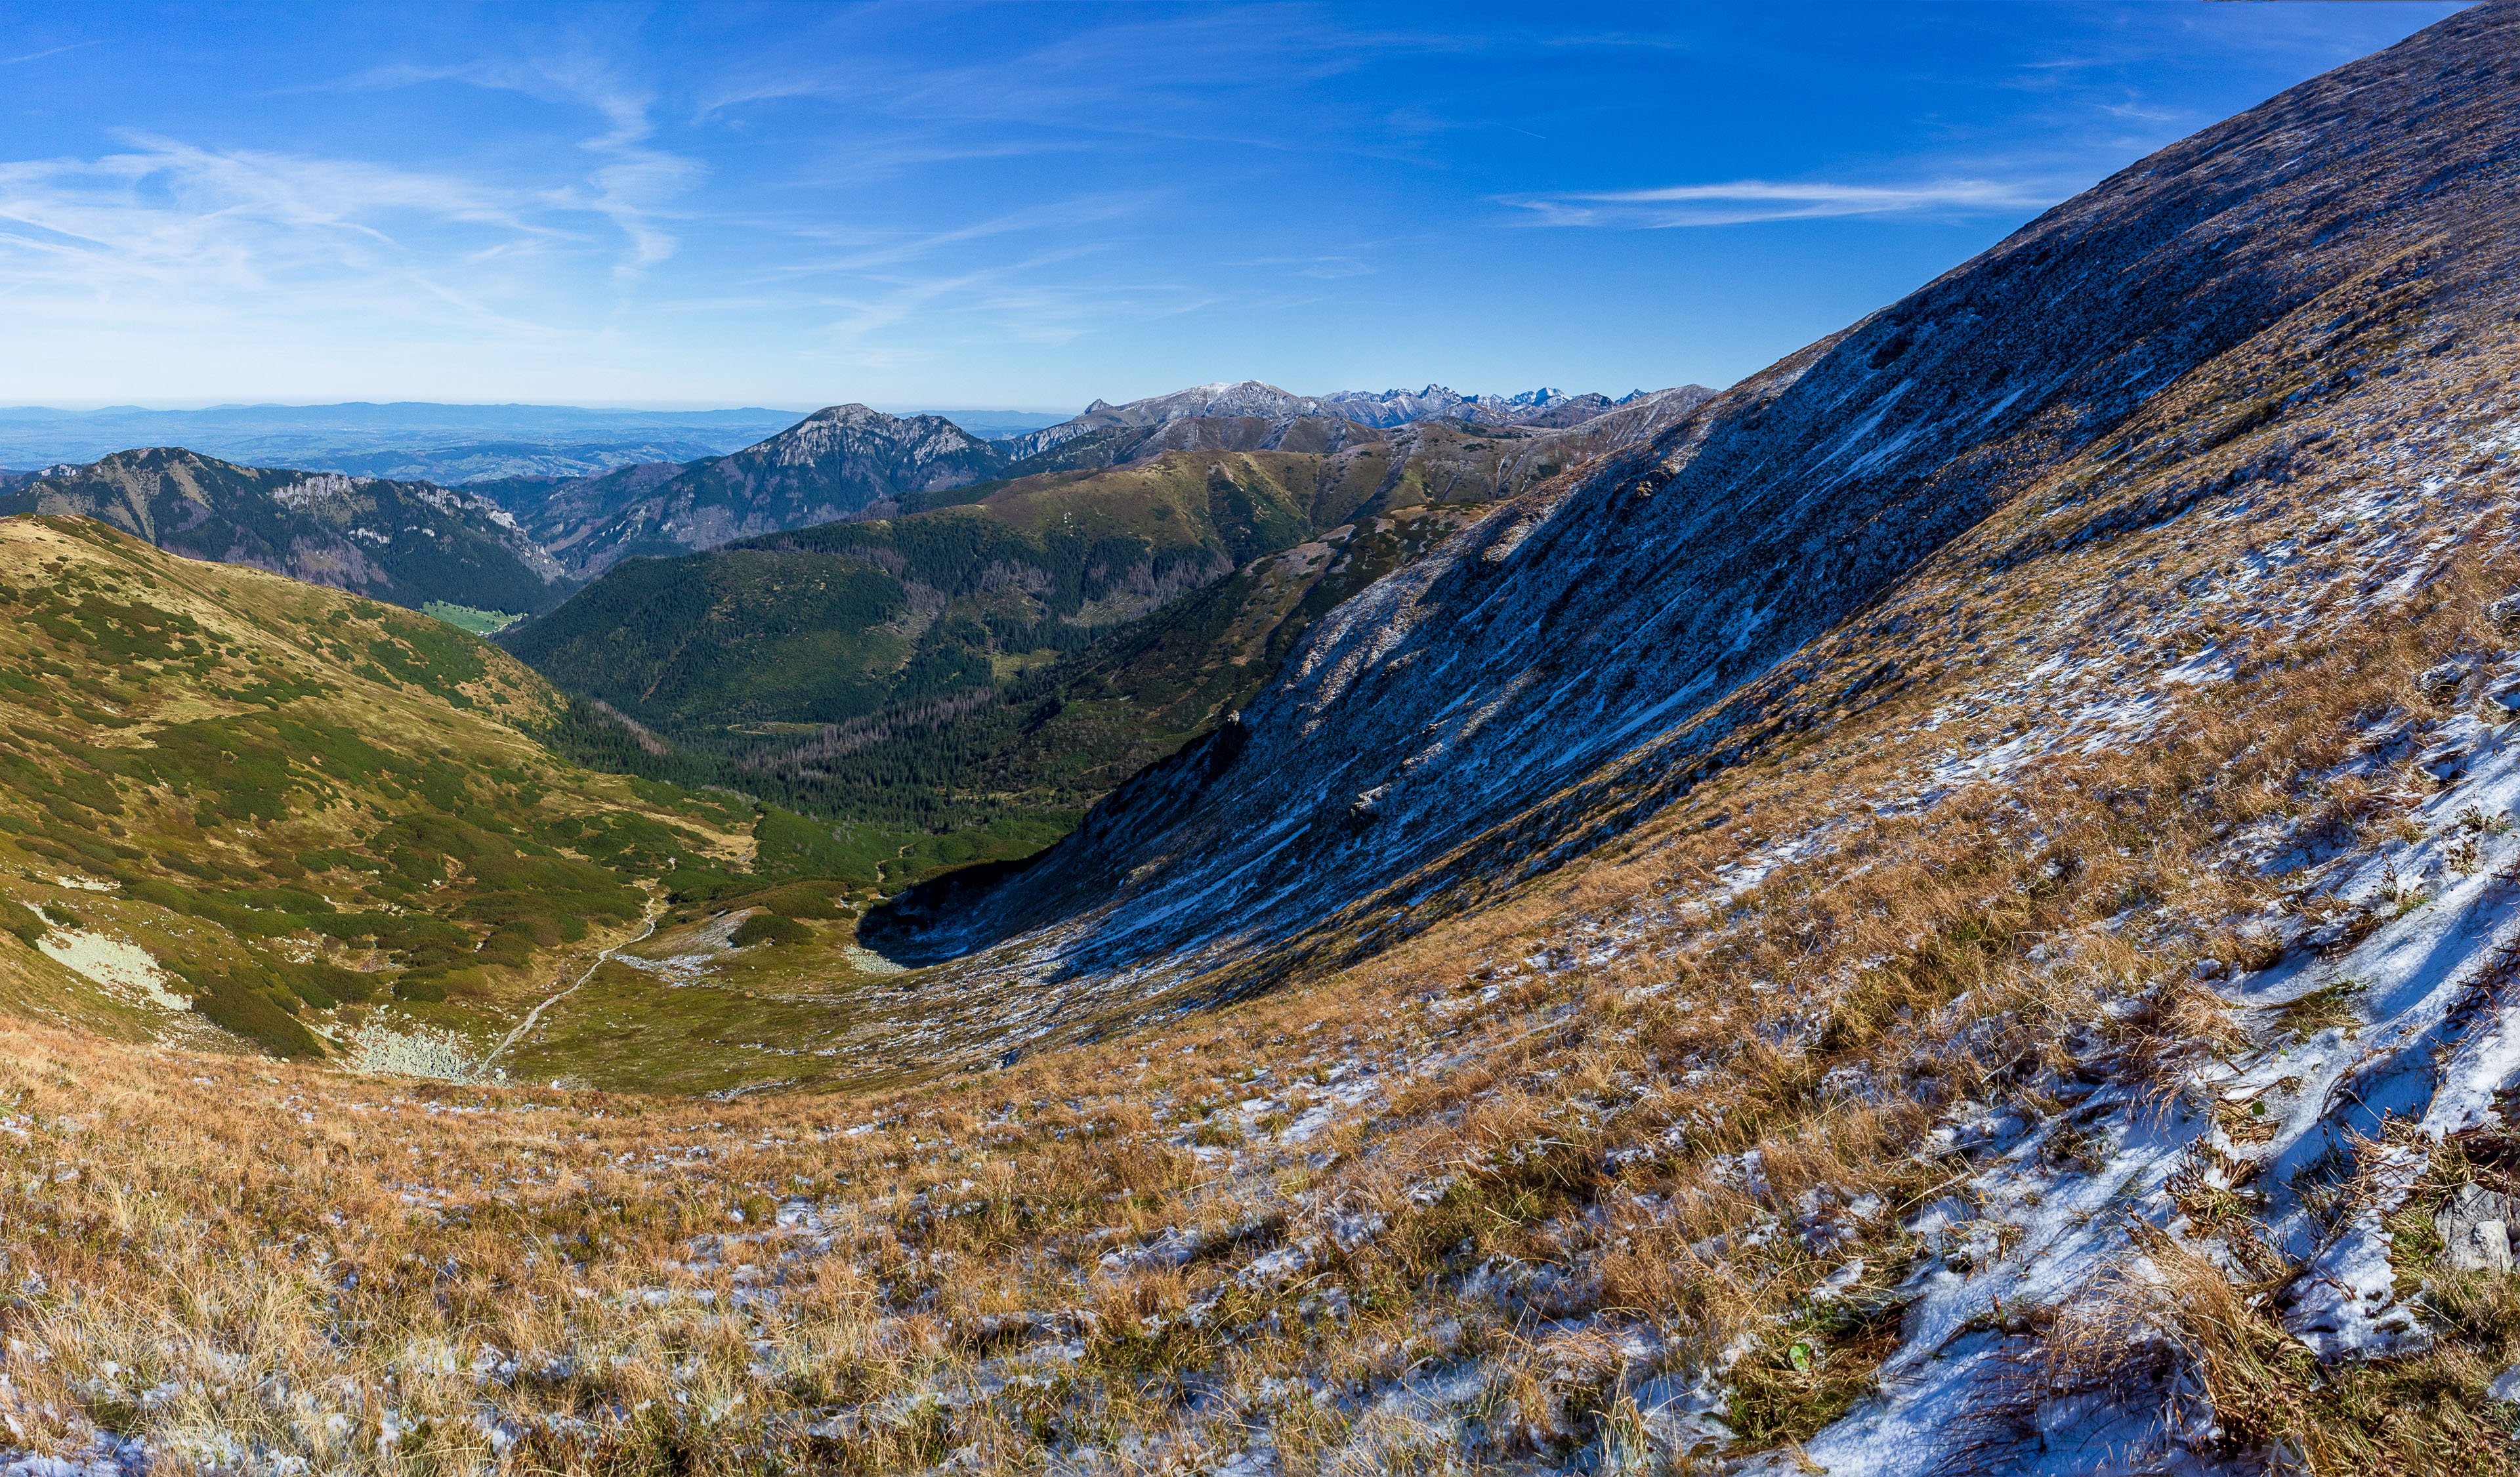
[2475,1225]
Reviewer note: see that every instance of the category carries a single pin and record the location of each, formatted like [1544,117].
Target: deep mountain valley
[1946,907]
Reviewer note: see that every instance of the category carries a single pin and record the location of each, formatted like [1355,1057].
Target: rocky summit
[1948,907]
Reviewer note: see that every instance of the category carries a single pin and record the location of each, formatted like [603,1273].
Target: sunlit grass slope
[255,814]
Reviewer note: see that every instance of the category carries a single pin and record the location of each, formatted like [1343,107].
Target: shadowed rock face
[1586,646]
[403,542]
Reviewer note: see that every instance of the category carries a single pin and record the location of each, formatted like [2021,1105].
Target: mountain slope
[1047,740]
[1116,445]
[244,813]
[1603,633]
[836,621]
[829,465]
[246,790]
[407,544]
[1006,650]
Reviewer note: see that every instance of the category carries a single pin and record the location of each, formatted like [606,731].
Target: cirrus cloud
[1747,200]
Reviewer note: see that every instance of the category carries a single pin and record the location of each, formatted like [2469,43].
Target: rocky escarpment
[403,542]
[828,465]
[1586,652]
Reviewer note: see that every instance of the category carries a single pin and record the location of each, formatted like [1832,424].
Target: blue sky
[1031,205]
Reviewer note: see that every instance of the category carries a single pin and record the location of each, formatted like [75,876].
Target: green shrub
[428,991]
[770,928]
[797,899]
[241,1005]
[324,986]
[16,919]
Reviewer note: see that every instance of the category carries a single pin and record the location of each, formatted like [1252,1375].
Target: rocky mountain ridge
[403,542]
[850,461]
[828,465]
[1254,399]
[1532,408]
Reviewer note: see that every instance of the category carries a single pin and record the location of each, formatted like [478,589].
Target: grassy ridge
[296,801]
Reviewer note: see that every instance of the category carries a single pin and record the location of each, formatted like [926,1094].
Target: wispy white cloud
[37,56]
[1007,301]
[1748,200]
[636,185]
[1327,268]
[879,249]
[172,232]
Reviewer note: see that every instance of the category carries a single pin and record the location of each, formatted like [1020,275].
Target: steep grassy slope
[1602,633]
[407,544]
[1653,1161]
[319,822]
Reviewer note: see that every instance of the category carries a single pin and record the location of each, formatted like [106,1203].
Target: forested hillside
[837,621]
[998,662]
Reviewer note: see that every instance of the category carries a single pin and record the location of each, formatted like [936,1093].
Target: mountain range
[1948,907]
[851,461]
